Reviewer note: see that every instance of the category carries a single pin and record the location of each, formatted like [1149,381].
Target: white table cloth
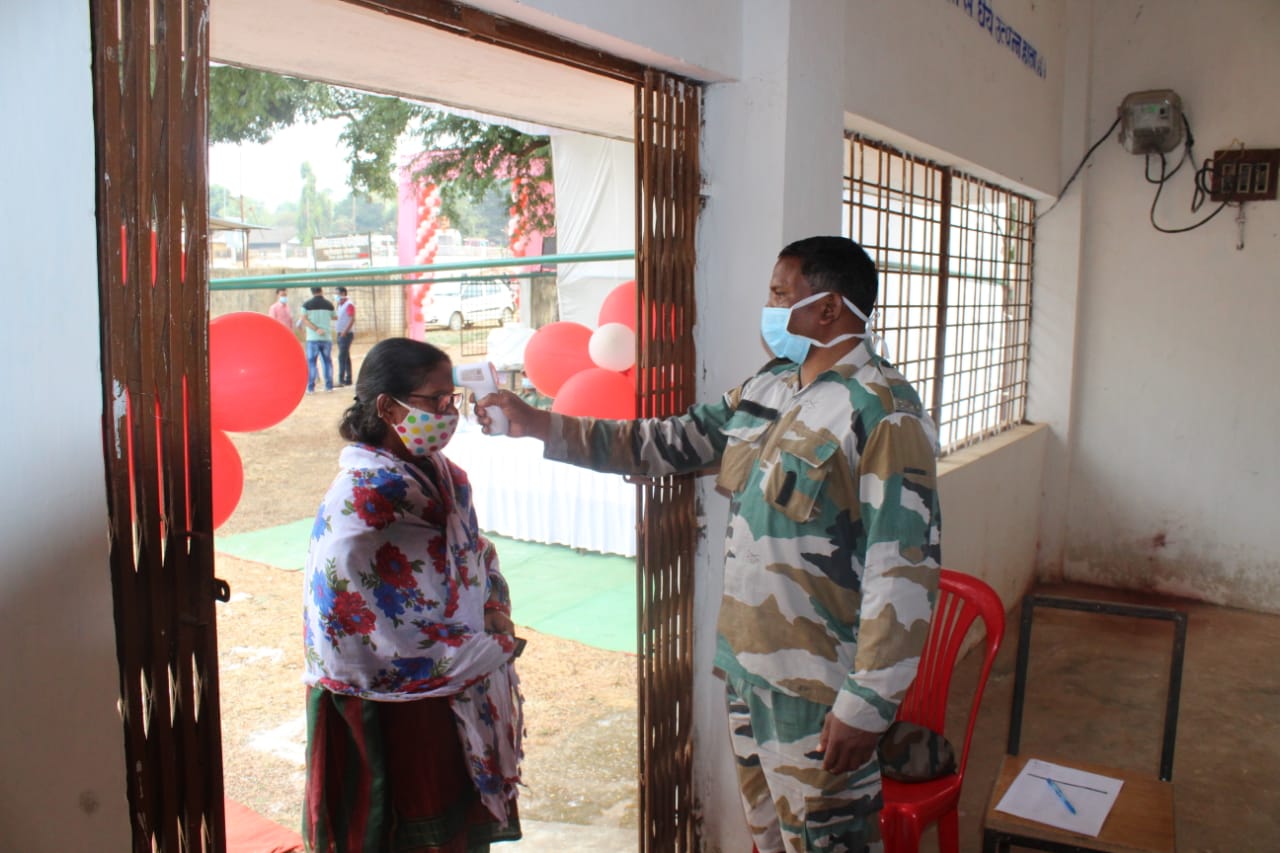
[521,495]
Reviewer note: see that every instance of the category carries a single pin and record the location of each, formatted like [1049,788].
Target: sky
[272,172]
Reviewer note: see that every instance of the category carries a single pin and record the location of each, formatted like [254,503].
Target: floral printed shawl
[398,582]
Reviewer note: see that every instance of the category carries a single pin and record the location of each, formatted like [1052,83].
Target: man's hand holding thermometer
[500,412]
[482,379]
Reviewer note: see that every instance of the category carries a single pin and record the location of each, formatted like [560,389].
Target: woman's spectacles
[438,403]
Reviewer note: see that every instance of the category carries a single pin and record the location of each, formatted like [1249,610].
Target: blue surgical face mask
[784,344]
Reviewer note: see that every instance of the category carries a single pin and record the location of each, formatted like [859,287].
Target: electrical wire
[1083,160]
[1164,230]
[1198,179]
[1187,154]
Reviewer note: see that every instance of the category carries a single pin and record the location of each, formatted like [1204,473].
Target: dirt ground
[580,702]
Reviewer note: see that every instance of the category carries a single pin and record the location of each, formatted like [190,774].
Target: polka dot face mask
[425,432]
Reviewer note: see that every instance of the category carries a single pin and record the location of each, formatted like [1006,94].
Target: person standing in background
[317,317]
[279,309]
[346,334]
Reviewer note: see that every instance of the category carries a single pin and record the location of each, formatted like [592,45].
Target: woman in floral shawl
[413,711]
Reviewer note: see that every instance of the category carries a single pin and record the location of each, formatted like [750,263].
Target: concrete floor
[548,837]
[1096,690]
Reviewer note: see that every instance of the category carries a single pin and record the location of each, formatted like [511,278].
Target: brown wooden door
[667,204]
[150,73]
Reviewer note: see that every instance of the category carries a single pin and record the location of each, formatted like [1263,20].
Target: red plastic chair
[910,807]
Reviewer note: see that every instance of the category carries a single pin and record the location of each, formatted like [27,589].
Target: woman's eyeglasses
[438,403]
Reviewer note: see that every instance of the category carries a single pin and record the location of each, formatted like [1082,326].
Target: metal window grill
[954,255]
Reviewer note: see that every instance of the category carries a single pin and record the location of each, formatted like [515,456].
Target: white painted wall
[926,76]
[698,39]
[771,160]
[929,74]
[1174,475]
[1056,294]
[990,496]
[62,750]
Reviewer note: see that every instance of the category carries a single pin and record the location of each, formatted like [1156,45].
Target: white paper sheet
[1032,797]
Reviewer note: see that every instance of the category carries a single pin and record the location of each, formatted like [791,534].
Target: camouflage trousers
[791,803]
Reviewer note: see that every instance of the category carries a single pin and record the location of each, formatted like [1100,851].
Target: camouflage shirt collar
[851,362]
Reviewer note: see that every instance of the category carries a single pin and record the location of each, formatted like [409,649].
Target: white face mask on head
[425,432]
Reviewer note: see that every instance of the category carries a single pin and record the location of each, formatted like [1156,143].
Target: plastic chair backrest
[961,599]
[1140,611]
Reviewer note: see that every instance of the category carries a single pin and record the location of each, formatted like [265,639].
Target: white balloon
[613,347]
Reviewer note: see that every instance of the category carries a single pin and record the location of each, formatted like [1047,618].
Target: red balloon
[619,306]
[257,372]
[554,353]
[228,476]
[597,393]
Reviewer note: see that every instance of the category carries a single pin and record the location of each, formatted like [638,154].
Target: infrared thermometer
[482,379]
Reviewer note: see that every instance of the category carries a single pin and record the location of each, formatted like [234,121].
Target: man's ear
[831,307]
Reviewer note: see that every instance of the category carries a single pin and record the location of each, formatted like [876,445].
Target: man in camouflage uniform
[831,556]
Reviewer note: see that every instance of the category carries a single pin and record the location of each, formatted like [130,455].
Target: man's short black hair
[316,291]
[342,291]
[838,264]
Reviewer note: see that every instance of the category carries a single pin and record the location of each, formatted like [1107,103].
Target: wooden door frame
[150,70]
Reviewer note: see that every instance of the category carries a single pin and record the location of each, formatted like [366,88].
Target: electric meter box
[1151,122]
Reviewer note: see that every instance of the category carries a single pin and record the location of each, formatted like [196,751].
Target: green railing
[382,276]
[379,292]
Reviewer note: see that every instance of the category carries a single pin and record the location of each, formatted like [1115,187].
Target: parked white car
[463,303]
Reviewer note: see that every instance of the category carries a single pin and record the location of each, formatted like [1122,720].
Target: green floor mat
[284,547]
[577,595]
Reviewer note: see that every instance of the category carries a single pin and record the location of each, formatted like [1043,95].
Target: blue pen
[1061,796]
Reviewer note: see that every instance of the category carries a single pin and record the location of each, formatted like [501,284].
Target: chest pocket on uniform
[797,478]
[745,439]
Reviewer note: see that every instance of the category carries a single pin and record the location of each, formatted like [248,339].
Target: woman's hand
[522,419]
[497,622]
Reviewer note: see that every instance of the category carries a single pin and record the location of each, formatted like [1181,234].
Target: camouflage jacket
[832,551]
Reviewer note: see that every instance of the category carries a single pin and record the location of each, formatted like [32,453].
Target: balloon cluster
[257,376]
[589,373]
[426,243]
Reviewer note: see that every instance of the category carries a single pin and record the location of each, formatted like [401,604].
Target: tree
[227,205]
[471,159]
[250,106]
[315,209]
[487,218]
[360,215]
[468,160]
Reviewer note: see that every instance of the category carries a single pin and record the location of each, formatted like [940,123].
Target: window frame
[955,256]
